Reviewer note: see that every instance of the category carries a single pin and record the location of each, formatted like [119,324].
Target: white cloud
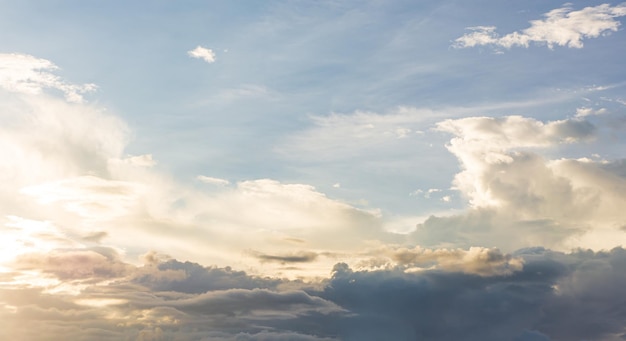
[482,143]
[515,191]
[26,74]
[91,197]
[64,165]
[202,53]
[582,112]
[145,160]
[431,191]
[562,27]
[213,181]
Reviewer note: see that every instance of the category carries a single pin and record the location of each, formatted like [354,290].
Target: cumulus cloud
[24,73]
[475,260]
[513,189]
[482,143]
[202,53]
[561,27]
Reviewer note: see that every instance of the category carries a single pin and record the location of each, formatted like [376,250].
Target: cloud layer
[554,296]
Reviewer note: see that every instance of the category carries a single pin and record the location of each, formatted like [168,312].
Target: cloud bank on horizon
[501,219]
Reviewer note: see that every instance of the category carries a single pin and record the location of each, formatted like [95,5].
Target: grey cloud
[531,335]
[574,130]
[76,264]
[297,257]
[555,296]
[617,167]
[490,227]
[242,301]
[270,336]
[188,277]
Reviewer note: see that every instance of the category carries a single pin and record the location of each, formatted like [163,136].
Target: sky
[312,170]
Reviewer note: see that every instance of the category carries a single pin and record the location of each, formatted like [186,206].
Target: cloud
[475,260]
[188,277]
[68,183]
[213,181]
[364,129]
[484,143]
[583,112]
[296,257]
[451,306]
[561,27]
[24,73]
[44,138]
[202,53]
[513,190]
[76,264]
[553,295]
[91,197]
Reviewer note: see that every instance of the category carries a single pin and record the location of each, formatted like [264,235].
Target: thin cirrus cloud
[213,181]
[202,53]
[561,27]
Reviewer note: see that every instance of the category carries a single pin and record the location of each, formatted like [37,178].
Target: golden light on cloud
[100,302]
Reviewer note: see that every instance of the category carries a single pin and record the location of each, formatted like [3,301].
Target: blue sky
[270,142]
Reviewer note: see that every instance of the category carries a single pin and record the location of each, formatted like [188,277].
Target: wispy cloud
[561,27]
[202,53]
[338,135]
[26,74]
[584,111]
[212,180]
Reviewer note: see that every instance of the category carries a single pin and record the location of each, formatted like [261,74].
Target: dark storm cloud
[563,297]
